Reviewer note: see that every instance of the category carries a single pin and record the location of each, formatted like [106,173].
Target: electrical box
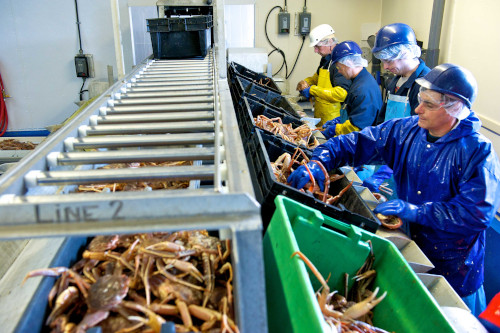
[283,23]
[84,65]
[304,23]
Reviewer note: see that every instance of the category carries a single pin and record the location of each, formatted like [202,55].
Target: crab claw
[363,307]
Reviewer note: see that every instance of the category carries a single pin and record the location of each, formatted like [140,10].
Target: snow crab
[140,282]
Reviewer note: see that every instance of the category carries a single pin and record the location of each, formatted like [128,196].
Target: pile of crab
[353,312]
[13,144]
[137,283]
[286,163]
[300,136]
[138,186]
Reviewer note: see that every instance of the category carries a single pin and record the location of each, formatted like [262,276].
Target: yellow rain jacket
[327,96]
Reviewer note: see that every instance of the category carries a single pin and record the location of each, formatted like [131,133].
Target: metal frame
[34,199]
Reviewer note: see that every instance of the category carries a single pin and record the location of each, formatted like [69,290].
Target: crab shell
[390,222]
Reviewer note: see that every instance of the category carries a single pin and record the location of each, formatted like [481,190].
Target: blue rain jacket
[454,181]
[421,71]
[363,101]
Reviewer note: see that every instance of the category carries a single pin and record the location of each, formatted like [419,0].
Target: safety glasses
[429,103]
[326,42]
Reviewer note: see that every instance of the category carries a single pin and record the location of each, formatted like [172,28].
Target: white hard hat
[319,33]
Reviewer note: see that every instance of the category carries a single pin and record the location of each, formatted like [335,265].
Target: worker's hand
[332,122]
[302,85]
[306,93]
[398,207]
[374,182]
[300,177]
[329,132]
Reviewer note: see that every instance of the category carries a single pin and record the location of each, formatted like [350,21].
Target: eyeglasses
[326,42]
[429,105]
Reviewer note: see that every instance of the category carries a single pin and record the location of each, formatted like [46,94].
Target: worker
[363,101]
[396,46]
[327,85]
[446,172]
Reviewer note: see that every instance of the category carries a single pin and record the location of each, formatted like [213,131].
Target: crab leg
[311,188]
[185,267]
[327,179]
[337,197]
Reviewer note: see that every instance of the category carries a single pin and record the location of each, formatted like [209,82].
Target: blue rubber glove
[300,177]
[405,210]
[332,122]
[329,132]
[306,92]
[374,181]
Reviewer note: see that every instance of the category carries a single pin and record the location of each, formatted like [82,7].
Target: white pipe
[115,14]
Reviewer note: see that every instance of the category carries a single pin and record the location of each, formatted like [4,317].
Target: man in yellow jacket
[327,85]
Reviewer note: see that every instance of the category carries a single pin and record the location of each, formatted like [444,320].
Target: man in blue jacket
[363,100]
[446,173]
[396,46]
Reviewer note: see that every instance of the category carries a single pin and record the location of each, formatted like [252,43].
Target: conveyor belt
[165,110]
[162,111]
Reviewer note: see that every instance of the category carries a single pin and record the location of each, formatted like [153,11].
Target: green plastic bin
[337,248]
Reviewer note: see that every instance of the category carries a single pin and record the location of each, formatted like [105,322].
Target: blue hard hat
[394,34]
[452,80]
[345,49]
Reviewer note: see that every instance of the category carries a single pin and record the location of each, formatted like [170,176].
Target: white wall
[141,39]
[39,42]
[349,19]
[416,14]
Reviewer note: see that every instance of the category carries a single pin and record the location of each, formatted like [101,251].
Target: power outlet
[283,23]
[304,23]
[84,65]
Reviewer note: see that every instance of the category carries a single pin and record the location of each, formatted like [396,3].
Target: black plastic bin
[244,87]
[252,107]
[263,149]
[181,37]
[235,69]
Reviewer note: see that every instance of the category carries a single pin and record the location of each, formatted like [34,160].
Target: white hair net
[457,109]
[354,60]
[400,51]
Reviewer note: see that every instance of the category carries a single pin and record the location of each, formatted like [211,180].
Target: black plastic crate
[245,87]
[263,149]
[192,23]
[252,107]
[235,69]
[181,37]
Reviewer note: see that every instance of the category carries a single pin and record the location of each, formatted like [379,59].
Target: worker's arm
[474,206]
[356,148]
[335,94]
[312,80]
[345,128]
[338,92]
